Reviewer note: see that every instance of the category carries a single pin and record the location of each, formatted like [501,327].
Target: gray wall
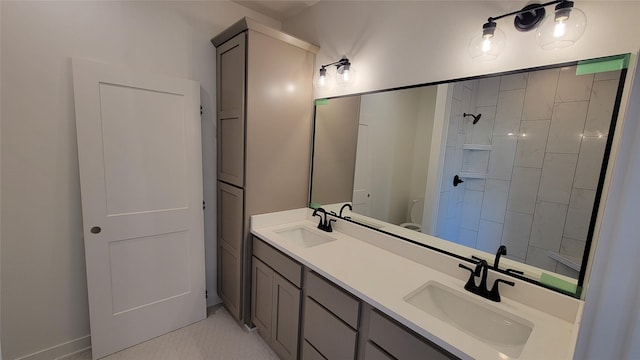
[44,296]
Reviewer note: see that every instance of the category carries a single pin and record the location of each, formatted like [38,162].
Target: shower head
[476,118]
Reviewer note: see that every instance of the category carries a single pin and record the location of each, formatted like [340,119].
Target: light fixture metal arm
[539,6]
[343,61]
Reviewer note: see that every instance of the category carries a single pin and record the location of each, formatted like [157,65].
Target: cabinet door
[262,298]
[230,213]
[230,72]
[286,318]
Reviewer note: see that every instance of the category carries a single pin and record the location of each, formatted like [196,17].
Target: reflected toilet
[416,207]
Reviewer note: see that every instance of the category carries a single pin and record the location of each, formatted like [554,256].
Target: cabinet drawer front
[400,342]
[309,353]
[279,262]
[330,336]
[371,352]
[333,298]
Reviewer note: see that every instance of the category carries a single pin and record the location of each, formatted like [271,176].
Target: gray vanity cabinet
[332,324]
[263,124]
[275,299]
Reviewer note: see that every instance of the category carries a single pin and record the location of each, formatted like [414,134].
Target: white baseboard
[60,351]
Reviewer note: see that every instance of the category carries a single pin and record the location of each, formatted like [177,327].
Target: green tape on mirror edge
[321,102]
[611,63]
[557,283]
[314,205]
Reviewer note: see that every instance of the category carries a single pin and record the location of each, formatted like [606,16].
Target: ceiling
[279,10]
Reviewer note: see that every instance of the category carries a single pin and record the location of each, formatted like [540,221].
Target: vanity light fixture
[563,29]
[344,73]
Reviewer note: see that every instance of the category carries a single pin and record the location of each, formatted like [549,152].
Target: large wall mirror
[465,166]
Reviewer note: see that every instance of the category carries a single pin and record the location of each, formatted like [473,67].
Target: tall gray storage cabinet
[264,120]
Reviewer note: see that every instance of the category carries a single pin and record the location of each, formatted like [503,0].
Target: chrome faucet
[482,269]
[324,224]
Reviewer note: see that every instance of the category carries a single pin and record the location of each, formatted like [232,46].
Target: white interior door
[361,192]
[141,181]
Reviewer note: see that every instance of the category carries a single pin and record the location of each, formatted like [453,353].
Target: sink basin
[502,330]
[304,237]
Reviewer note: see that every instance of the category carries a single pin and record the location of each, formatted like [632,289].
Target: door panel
[134,274]
[286,318]
[230,119]
[262,298]
[141,181]
[150,177]
[230,214]
[362,177]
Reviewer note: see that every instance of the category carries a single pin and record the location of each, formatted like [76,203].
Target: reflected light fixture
[563,29]
[345,73]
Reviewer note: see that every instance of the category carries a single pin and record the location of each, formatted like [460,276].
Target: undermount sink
[304,236]
[503,331]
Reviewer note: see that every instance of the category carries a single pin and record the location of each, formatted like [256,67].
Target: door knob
[457,180]
[96,230]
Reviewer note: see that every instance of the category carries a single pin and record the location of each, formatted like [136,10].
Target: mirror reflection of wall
[531,163]
[334,139]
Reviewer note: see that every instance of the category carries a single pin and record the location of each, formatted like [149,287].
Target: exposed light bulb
[486,45]
[560,29]
[322,78]
[345,74]
[563,29]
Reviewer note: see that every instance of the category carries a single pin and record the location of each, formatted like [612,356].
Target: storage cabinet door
[262,298]
[230,118]
[230,215]
[286,318]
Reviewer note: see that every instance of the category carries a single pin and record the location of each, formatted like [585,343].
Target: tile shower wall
[534,187]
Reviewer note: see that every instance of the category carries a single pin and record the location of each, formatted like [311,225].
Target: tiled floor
[216,337]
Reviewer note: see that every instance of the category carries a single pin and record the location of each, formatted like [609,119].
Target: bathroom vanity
[359,293]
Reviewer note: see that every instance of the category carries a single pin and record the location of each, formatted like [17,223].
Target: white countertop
[383,278]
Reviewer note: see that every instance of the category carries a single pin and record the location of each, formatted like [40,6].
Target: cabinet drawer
[371,352]
[279,262]
[309,353]
[401,343]
[330,336]
[333,298]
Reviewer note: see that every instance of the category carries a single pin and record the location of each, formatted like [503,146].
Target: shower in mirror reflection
[533,185]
